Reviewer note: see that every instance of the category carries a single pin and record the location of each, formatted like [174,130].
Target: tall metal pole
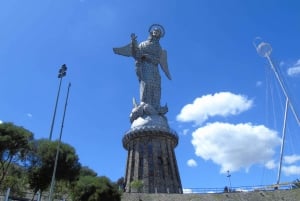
[283,140]
[61,73]
[7,195]
[58,147]
[264,50]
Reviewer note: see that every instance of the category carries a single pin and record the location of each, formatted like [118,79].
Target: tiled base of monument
[151,157]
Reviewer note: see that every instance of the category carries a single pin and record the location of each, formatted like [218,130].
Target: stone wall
[278,195]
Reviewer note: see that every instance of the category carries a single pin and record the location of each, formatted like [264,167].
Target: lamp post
[61,73]
[228,176]
[264,49]
[58,146]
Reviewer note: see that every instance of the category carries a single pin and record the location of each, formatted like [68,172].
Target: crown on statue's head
[157,27]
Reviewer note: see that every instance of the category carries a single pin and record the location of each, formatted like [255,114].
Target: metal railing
[272,187]
[7,195]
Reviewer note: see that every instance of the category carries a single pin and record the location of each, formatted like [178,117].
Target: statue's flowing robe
[148,72]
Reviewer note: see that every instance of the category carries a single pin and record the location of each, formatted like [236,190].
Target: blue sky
[224,101]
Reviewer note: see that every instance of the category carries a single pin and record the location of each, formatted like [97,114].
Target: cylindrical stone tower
[150,142]
[151,158]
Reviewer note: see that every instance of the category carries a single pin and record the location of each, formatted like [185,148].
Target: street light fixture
[61,73]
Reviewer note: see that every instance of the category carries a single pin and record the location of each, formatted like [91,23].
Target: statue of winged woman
[148,56]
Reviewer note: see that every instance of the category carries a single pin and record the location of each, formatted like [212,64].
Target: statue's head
[156,31]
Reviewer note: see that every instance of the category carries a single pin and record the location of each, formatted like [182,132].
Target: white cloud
[295,69]
[218,104]
[235,146]
[1,122]
[291,159]
[291,170]
[29,115]
[258,83]
[192,163]
[270,164]
[185,131]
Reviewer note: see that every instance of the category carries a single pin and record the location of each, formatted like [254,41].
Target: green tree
[90,188]
[42,160]
[16,180]
[14,146]
[137,185]
[86,171]
[120,183]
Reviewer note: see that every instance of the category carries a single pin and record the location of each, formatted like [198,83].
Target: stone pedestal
[150,144]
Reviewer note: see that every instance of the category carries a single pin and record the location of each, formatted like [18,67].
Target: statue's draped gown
[148,72]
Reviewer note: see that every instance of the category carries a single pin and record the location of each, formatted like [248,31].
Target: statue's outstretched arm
[164,63]
[125,51]
[129,50]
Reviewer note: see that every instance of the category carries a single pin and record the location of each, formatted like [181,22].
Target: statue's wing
[125,51]
[164,63]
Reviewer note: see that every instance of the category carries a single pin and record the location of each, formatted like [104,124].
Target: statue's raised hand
[133,36]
